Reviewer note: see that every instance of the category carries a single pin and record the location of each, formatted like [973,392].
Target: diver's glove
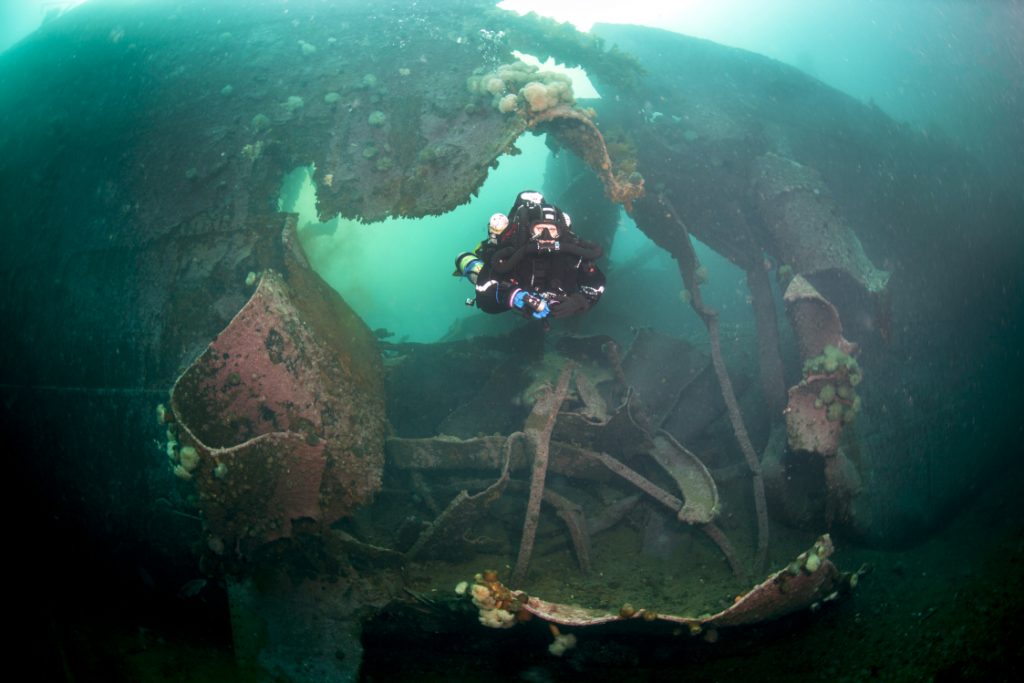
[525,301]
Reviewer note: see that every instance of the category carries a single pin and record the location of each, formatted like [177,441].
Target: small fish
[383,333]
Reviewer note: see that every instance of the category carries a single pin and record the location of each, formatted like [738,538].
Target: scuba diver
[533,262]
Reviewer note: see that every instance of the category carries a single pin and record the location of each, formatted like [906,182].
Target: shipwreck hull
[136,216]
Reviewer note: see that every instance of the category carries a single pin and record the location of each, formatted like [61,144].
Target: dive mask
[544,231]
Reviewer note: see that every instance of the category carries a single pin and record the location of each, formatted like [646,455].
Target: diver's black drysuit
[563,272]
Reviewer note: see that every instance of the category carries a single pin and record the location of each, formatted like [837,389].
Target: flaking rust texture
[403,136]
[817,326]
[810,578]
[578,132]
[286,411]
[814,319]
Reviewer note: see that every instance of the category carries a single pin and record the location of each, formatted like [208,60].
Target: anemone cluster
[808,561]
[839,374]
[522,87]
[499,607]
